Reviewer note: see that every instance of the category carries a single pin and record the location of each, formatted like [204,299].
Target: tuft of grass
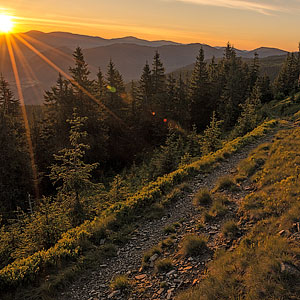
[226,183]
[218,207]
[108,250]
[151,252]
[193,245]
[164,265]
[167,243]
[202,198]
[120,282]
[230,229]
[207,217]
[169,229]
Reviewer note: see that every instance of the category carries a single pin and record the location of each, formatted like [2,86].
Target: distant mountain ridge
[128,53]
[73,40]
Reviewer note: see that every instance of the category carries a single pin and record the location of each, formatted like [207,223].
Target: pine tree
[212,136]
[158,75]
[15,169]
[80,72]
[100,86]
[249,117]
[235,86]
[199,93]
[71,173]
[146,90]
[254,71]
[288,79]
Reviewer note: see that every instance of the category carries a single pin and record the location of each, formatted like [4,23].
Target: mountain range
[128,53]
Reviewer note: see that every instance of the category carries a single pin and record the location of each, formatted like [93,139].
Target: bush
[230,229]
[151,252]
[164,265]
[202,197]
[193,245]
[218,207]
[226,183]
[120,282]
[167,243]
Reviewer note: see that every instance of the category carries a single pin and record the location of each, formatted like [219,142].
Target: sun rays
[6,24]
[14,51]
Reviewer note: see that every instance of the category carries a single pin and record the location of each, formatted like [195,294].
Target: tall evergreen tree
[71,173]
[199,93]
[235,86]
[15,170]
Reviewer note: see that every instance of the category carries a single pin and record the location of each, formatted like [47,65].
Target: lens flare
[112,89]
[6,23]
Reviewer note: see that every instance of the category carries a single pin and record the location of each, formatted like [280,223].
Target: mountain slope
[129,55]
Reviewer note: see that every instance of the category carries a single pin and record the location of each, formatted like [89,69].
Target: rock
[140,277]
[154,257]
[113,294]
[170,273]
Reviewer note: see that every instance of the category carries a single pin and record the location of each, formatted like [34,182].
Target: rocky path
[146,283]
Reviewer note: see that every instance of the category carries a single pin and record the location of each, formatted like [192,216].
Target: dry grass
[193,245]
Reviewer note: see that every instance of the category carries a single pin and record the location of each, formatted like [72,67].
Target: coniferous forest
[104,151]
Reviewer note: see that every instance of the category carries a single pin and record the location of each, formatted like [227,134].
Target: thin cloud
[260,7]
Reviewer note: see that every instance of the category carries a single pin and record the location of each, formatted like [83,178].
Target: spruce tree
[15,168]
[199,93]
[71,173]
[212,136]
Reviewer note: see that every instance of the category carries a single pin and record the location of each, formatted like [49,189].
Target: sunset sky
[245,23]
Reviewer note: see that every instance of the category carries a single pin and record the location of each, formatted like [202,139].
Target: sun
[6,23]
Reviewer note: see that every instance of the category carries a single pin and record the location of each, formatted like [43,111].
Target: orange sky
[247,24]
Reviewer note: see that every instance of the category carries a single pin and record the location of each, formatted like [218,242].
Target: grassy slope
[254,270]
[76,242]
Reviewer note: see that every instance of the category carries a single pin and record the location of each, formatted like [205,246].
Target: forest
[98,145]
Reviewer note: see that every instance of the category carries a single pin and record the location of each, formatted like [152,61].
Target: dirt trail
[95,285]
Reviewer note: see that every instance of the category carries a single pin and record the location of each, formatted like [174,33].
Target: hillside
[233,207]
[269,65]
[128,53]
[244,242]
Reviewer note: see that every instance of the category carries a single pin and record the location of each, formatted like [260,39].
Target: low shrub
[202,197]
[226,183]
[193,245]
[164,265]
[230,229]
[120,282]
[148,254]
[167,243]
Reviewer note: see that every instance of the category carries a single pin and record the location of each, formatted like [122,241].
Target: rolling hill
[129,55]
